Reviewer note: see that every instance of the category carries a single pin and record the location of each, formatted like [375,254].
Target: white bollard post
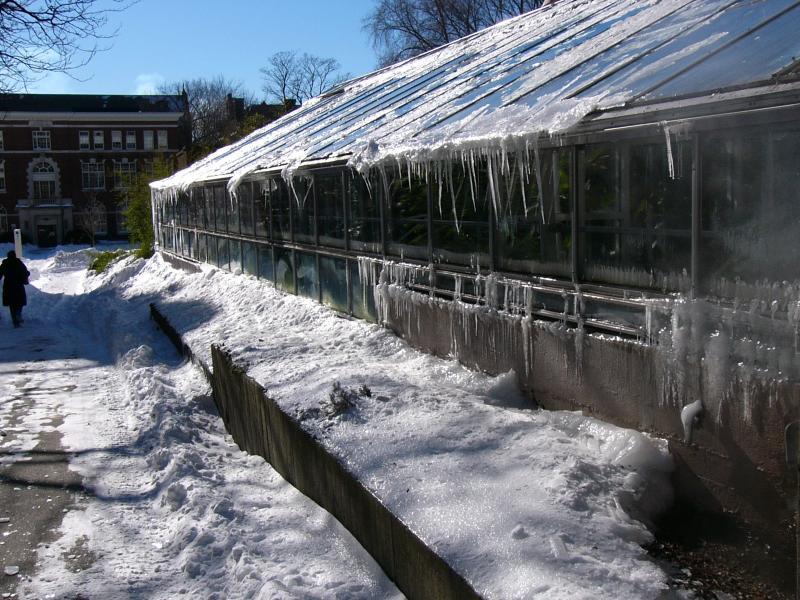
[18,242]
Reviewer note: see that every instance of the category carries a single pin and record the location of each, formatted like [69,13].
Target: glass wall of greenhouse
[712,214]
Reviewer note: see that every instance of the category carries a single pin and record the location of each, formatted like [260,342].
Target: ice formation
[499,90]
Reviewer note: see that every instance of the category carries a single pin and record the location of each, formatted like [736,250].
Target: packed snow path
[118,480]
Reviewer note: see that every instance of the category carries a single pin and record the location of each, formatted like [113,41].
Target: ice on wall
[715,359]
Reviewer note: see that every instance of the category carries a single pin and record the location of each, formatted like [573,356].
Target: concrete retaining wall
[259,426]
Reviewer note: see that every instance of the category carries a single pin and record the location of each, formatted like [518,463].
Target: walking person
[15,277]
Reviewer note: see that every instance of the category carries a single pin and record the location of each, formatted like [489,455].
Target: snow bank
[520,502]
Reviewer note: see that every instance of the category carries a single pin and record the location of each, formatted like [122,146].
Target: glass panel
[362,296]
[220,208]
[636,225]
[235,254]
[223,254]
[534,227]
[751,212]
[261,209]
[245,201]
[406,216]
[249,258]
[364,214]
[635,48]
[284,270]
[192,240]
[266,268]
[202,247]
[307,275]
[667,60]
[233,213]
[330,208]
[461,219]
[302,203]
[333,282]
[183,209]
[208,213]
[280,206]
[211,249]
[753,58]
[194,194]
[618,314]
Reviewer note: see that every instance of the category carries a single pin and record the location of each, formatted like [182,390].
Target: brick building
[66,160]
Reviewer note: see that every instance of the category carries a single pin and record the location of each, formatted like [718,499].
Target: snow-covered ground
[176,510]
[523,503]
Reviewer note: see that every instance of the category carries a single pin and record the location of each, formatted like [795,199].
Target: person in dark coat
[15,277]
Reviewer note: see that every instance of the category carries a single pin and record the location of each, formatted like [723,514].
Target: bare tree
[44,36]
[278,75]
[293,76]
[93,218]
[401,29]
[211,106]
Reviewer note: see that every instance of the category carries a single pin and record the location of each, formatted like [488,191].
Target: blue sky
[169,40]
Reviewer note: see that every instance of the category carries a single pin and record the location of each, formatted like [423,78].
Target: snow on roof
[537,74]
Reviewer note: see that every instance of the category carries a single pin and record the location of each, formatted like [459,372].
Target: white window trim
[128,144]
[41,134]
[129,172]
[2,143]
[116,139]
[162,134]
[84,133]
[56,170]
[101,171]
[102,145]
[2,176]
[148,139]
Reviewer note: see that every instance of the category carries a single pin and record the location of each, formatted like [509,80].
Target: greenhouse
[634,148]
[598,195]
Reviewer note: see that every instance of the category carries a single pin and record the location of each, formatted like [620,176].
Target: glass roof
[540,73]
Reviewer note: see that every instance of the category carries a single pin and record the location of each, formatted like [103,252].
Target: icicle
[689,416]
[521,167]
[490,166]
[473,177]
[538,172]
[439,180]
[451,185]
[670,158]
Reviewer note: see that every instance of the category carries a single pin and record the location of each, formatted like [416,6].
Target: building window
[162,139]
[2,146]
[93,175]
[99,140]
[130,140]
[41,140]
[2,176]
[44,181]
[116,140]
[124,174]
[83,140]
[147,139]
[3,219]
